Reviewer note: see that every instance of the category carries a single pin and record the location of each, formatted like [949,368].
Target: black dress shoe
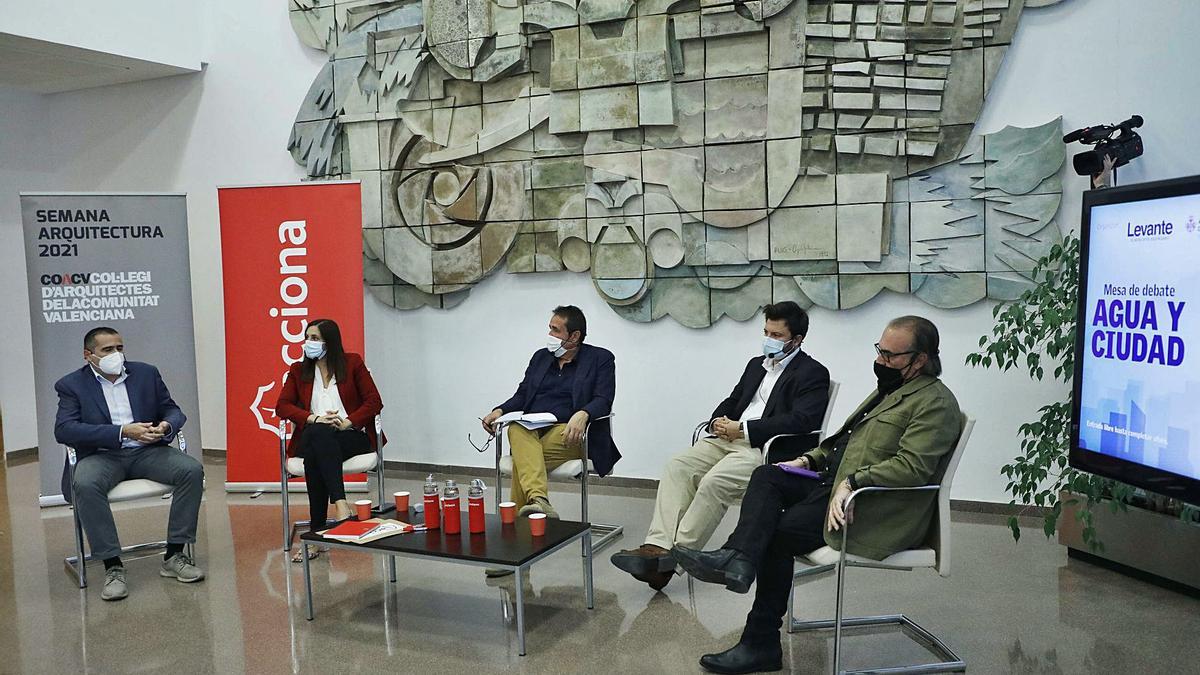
[742,658]
[724,566]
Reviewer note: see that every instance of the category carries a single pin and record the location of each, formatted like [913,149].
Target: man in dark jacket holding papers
[573,382]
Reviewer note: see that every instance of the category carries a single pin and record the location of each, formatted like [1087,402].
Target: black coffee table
[500,546]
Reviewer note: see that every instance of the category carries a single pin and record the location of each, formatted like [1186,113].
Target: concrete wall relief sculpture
[696,158]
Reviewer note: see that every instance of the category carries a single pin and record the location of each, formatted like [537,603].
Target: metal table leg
[587,570]
[391,563]
[520,579]
[307,579]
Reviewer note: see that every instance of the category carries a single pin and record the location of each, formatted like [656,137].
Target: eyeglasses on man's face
[889,355]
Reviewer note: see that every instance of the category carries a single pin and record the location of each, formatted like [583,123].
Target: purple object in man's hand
[800,471]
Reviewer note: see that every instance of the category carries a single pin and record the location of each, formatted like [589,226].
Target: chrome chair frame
[290,526]
[949,661]
[603,534]
[77,564]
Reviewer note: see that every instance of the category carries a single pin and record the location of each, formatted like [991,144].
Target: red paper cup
[401,502]
[363,508]
[537,524]
[508,513]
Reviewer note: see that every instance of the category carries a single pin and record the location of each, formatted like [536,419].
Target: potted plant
[1036,332]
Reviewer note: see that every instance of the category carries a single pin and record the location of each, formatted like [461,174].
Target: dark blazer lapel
[585,363]
[139,399]
[535,380]
[789,373]
[750,383]
[91,386]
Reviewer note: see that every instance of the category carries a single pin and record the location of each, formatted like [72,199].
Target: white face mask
[555,346]
[112,364]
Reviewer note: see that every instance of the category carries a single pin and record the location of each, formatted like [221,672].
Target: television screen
[1136,406]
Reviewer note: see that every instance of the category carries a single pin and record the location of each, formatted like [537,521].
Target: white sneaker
[114,584]
[181,567]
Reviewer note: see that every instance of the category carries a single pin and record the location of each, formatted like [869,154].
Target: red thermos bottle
[475,520]
[451,509]
[433,509]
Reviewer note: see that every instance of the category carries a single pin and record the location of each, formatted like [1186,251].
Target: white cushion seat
[567,470]
[137,488]
[356,464]
[915,557]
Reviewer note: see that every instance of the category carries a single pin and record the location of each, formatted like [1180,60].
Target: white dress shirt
[326,398]
[119,409]
[758,406]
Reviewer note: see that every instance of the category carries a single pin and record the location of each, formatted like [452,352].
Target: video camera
[1125,146]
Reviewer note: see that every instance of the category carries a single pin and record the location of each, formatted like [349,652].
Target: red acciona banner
[290,254]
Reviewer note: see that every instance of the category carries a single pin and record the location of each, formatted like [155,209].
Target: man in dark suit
[575,382]
[119,418]
[783,392]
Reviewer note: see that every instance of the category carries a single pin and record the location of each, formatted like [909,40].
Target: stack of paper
[530,420]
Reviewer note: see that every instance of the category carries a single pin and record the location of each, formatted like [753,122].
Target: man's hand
[838,516]
[489,422]
[163,428]
[800,462]
[142,432]
[717,426]
[576,426]
[727,429]
[733,430]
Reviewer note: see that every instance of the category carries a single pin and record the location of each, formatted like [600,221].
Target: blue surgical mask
[313,349]
[773,348]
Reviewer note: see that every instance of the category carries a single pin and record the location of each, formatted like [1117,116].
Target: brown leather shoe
[656,580]
[644,560]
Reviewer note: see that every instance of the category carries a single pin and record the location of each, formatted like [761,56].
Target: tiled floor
[1007,608]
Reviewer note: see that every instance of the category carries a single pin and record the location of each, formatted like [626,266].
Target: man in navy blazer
[781,391]
[575,382]
[120,419]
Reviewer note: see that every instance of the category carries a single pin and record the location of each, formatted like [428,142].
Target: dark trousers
[782,516]
[324,448]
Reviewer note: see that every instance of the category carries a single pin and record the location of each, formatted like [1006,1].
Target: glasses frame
[888,356]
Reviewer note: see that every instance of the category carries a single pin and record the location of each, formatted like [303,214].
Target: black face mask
[889,379]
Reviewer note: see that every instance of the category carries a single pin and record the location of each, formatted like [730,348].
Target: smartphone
[800,471]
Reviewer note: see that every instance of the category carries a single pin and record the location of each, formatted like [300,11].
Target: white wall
[162,31]
[440,370]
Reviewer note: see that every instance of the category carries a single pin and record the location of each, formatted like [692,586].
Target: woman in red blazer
[331,399]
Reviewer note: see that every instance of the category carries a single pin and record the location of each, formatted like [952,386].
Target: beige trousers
[697,487]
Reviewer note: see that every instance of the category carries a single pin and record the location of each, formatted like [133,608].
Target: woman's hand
[342,423]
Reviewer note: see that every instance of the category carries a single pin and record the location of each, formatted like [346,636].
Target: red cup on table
[537,524]
[362,508]
[401,501]
[508,512]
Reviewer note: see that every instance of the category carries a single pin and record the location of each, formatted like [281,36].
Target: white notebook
[528,420]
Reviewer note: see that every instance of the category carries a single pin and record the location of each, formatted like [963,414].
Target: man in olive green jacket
[901,436]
